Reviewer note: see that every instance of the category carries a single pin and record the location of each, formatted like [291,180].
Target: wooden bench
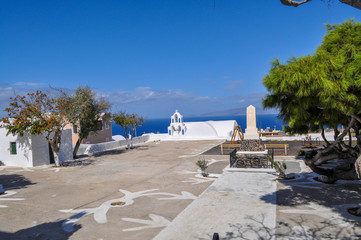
[229,145]
[277,146]
[268,133]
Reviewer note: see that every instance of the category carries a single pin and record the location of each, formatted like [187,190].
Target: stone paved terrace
[156,181]
[149,191]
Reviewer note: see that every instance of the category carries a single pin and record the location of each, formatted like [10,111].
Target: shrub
[279,167]
[203,165]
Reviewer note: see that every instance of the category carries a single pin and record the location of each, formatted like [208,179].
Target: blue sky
[151,57]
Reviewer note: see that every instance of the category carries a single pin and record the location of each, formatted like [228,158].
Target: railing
[308,141]
[249,159]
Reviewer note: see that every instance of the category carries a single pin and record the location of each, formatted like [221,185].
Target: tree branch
[295,3]
[356,117]
[324,138]
[333,145]
[353,3]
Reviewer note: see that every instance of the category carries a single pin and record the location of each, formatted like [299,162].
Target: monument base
[251,134]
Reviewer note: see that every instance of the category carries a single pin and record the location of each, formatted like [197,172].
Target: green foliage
[123,119]
[2,164]
[37,113]
[280,167]
[129,122]
[34,113]
[202,164]
[322,89]
[135,121]
[86,110]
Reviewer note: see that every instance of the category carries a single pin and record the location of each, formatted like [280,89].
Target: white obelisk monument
[251,130]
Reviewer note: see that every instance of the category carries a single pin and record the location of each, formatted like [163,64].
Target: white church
[199,130]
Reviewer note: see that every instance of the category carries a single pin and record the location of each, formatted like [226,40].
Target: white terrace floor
[155,192]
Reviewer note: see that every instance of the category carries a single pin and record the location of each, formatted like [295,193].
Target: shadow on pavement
[86,161]
[304,198]
[49,230]
[120,151]
[257,229]
[10,181]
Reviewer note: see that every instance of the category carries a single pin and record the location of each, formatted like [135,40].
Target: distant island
[235,112]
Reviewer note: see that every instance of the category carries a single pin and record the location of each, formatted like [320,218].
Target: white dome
[198,129]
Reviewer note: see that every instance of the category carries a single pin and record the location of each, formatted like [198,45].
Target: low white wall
[82,148]
[101,147]
[159,136]
[166,137]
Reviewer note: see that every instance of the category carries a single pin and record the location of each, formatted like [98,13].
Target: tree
[86,109]
[36,114]
[124,120]
[322,90]
[135,121]
[129,122]
[353,3]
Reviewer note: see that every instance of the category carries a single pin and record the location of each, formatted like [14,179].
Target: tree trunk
[336,132]
[131,138]
[338,138]
[56,159]
[341,172]
[127,137]
[322,159]
[55,143]
[358,167]
[76,148]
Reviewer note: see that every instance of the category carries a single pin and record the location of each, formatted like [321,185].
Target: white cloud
[26,84]
[147,94]
[233,85]
[155,103]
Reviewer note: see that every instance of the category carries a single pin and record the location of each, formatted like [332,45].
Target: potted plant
[280,168]
[203,165]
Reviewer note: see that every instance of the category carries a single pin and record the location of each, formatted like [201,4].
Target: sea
[161,125]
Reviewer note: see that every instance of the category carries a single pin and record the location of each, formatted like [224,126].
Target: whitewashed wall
[40,150]
[23,158]
[32,151]
[66,146]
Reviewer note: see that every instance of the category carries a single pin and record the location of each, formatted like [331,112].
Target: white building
[31,151]
[177,126]
[199,130]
